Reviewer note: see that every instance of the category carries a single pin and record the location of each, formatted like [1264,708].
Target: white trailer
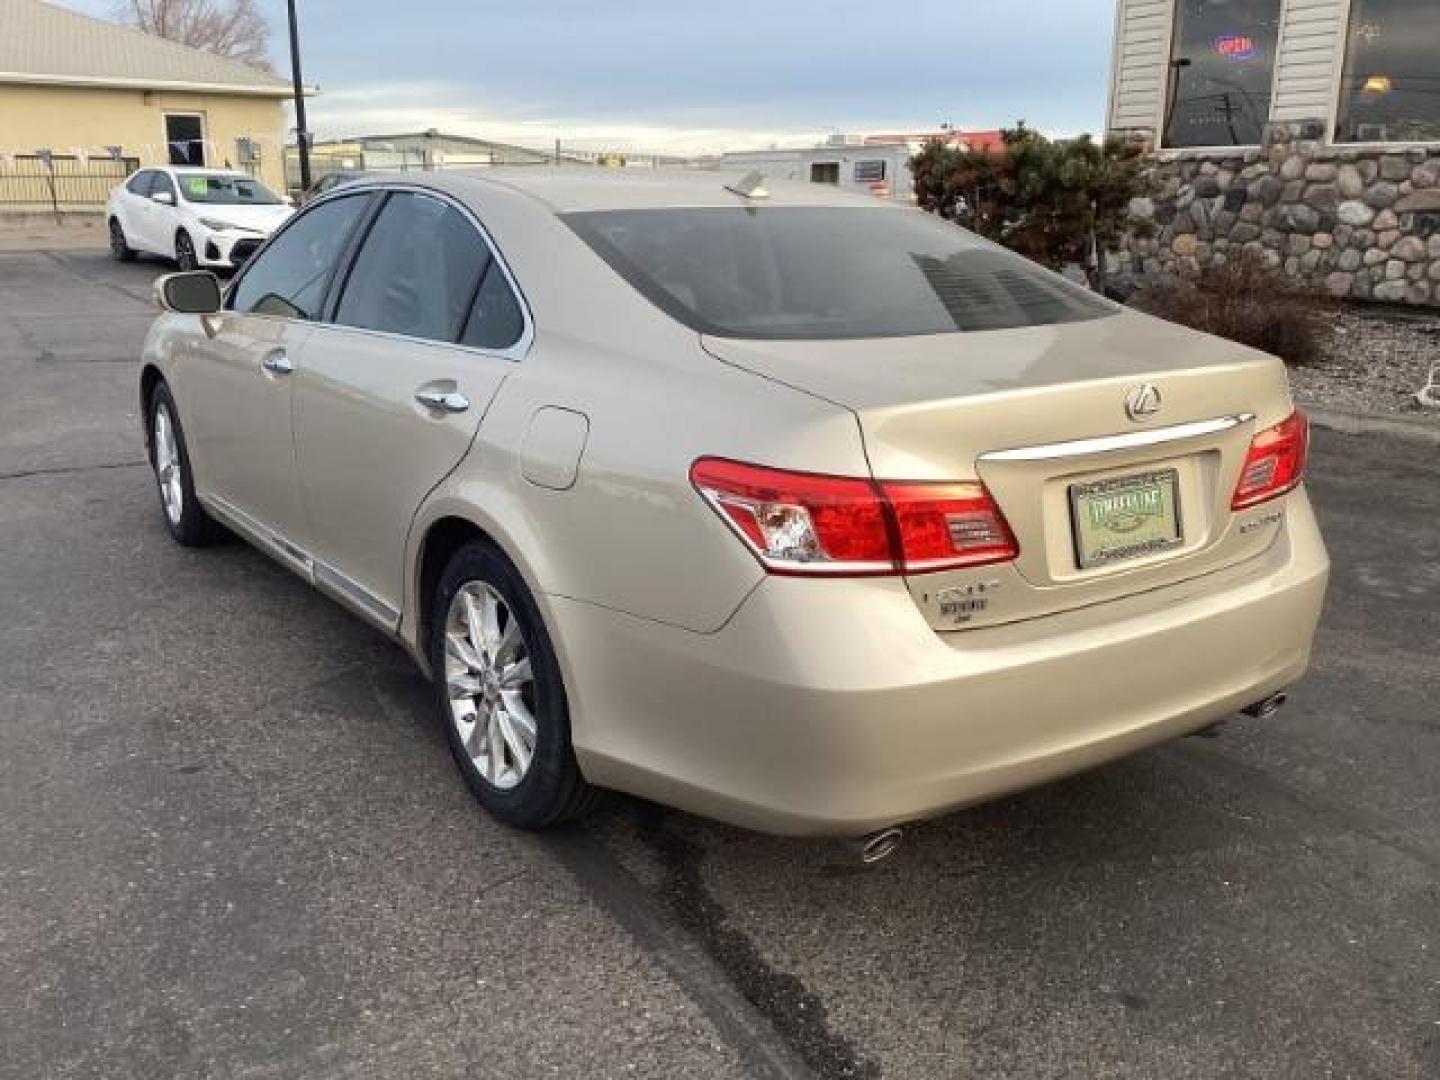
[883,171]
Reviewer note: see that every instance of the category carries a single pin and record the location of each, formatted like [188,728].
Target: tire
[185,519]
[185,257]
[119,246]
[549,789]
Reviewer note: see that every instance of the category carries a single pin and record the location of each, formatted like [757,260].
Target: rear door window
[290,277]
[417,272]
[807,272]
[139,184]
[495,321]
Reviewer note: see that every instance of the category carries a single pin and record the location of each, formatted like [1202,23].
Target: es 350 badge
[963,602]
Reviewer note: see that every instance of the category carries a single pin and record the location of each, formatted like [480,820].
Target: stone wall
[1358,223]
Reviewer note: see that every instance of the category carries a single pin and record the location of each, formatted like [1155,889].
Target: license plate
[1125,517]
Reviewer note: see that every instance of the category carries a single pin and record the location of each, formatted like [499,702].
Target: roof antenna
[750,186]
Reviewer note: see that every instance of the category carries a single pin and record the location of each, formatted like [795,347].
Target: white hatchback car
[212,218]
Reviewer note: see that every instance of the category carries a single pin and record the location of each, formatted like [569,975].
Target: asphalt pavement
[232,843]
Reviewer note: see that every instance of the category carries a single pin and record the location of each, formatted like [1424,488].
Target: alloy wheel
[490,685]
[168,470]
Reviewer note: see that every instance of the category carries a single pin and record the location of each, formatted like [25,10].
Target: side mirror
[196,292]
[163,197]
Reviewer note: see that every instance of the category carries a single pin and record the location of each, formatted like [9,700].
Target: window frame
[204,140]
[1337,98]
[342,260]
[855,167]
[836,165]
[514,353]
[1169,84]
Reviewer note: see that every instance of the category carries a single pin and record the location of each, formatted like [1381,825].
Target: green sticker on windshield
[197,185]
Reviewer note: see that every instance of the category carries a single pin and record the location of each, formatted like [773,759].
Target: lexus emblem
[1142,403]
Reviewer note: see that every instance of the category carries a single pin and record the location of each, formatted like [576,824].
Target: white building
[1212,73]
[1306,131]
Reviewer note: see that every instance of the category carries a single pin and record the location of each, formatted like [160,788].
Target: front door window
[290,277]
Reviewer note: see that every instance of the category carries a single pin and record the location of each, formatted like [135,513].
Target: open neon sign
[1237,47]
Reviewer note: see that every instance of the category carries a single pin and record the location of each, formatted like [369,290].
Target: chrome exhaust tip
[879,846]
[1268,707]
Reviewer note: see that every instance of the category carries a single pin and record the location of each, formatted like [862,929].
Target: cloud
[389,108]
[691,75]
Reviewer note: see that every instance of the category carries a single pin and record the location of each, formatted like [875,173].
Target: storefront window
[1221,67]
[1391,89]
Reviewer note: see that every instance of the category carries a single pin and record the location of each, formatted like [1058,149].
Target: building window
[869,172]
[185,137]
[1222,63]
[825,172]
[1391,89]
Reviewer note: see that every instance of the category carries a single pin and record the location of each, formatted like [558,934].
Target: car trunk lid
[1039,415]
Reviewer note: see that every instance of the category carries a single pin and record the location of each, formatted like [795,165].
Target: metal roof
[47,45]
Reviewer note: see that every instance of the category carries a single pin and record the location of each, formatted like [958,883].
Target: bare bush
[1248,301]
[234,29]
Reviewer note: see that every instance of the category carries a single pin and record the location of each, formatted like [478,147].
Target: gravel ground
[1375,362]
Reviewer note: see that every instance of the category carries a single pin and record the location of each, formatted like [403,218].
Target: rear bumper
[831,707]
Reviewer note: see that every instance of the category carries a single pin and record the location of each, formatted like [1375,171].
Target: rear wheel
[119,246]
[185,257]
[500,693]
[185,518]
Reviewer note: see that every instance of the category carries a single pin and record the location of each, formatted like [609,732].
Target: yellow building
[92,93]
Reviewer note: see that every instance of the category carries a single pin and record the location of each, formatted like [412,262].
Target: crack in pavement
[769,1019]
[797,1012]
[764,1050]
[1348,819]
[61,261]
[67,470]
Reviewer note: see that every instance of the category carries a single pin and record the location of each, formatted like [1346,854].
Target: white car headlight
[217,224]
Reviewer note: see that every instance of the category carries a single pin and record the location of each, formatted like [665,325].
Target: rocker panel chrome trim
[321,575]
[356,597]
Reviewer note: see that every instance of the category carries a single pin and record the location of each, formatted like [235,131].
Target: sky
[689,76]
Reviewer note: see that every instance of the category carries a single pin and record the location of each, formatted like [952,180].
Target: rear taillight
[806,523]
[943,526]
[1275,463]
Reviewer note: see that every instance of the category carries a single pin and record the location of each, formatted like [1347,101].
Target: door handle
[453,402]
[277,363]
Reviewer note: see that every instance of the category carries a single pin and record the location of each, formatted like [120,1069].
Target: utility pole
[302,134]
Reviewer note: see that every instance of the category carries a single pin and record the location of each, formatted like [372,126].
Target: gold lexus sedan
[791,508]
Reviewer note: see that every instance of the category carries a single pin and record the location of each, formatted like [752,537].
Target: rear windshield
[822,272]
[225,190]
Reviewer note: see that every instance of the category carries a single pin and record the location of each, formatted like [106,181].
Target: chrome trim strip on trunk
[1109,444]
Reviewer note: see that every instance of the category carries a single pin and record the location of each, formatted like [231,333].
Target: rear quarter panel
[631,533]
